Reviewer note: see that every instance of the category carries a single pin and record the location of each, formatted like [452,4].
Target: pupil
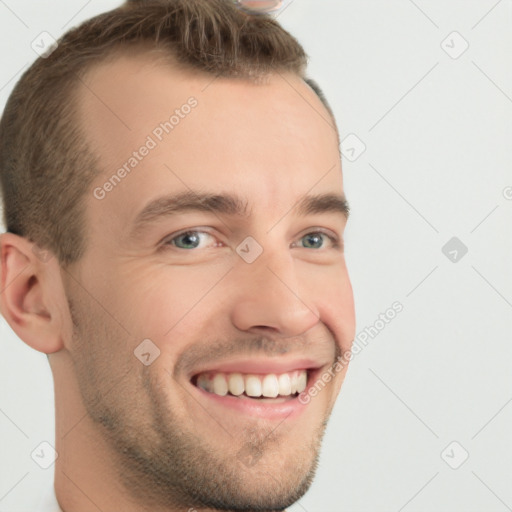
[187,237]
[315,239]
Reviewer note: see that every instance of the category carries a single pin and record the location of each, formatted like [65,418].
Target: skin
[129,436]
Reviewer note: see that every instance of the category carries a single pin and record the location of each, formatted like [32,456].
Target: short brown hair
[46,167]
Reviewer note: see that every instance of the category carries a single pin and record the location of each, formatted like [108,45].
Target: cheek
[331,293]
[173,306]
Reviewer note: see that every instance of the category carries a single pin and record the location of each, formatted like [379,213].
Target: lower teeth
[243,395]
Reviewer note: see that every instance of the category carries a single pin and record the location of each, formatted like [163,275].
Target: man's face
[212,303]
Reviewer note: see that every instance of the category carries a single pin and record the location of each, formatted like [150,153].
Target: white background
[437,165]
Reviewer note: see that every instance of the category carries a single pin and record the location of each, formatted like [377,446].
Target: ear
[31,293]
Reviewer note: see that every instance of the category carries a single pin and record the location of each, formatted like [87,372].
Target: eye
[191,239]
[314,240]
[187,240]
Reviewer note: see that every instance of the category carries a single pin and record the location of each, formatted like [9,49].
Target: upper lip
[261,365]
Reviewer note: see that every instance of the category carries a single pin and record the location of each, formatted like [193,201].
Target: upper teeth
[269,385]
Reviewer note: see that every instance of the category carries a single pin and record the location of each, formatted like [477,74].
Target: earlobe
[26,300]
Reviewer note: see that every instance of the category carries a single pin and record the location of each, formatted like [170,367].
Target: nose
[269,296]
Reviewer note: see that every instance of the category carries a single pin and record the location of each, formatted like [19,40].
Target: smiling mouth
[265,387]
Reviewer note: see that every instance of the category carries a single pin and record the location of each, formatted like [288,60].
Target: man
[175,213]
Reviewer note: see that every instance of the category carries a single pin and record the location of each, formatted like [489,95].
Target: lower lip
[288,408]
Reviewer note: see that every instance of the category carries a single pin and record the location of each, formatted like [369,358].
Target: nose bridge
[273,267]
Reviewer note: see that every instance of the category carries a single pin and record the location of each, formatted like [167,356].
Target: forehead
[125,90]
[269,141]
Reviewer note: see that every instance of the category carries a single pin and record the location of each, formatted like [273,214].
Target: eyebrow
[229,204]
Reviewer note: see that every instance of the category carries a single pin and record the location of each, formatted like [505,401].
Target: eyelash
[167,243]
